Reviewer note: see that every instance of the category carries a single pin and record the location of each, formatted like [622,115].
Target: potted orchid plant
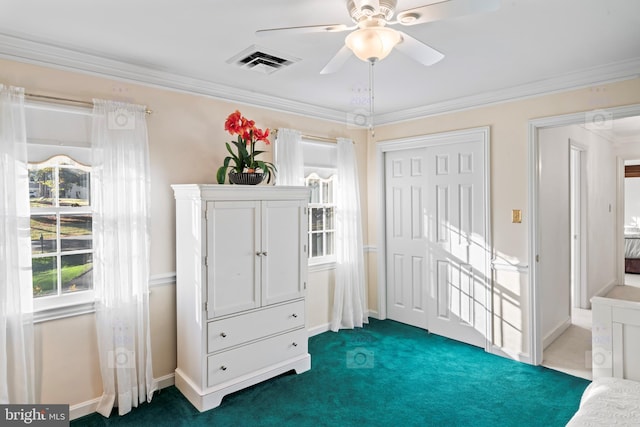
[243,166]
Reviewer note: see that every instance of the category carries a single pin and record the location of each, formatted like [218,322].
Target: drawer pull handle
[294,315]
[295,344]
[223,335]
[259,253]
[264,254]
[223,368]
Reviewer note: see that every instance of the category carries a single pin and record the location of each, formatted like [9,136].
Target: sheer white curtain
[120,191]
[349,302]
[288,158]
[16,318]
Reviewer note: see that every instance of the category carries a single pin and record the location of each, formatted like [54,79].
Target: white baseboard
[606,289]
[520,357]
[89,407]
[374,314]
[84,408]
[556,332]
[317,330]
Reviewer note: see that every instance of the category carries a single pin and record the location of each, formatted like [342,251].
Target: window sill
[56,313]
[329,265]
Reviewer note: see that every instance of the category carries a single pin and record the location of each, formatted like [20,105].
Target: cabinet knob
[223,368]
[258,253]
[264,254]
[223,335]
[295,344]
[294,315]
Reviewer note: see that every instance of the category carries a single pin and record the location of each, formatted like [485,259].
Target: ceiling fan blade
[333,28]
[415,49]
[337,61]
[445,10]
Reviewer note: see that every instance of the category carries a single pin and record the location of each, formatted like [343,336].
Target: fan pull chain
[371,98]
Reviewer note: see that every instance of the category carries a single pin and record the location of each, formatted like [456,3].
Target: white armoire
[241,265]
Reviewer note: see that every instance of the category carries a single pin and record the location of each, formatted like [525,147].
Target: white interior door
[457,239]
[436,238]
[406,249]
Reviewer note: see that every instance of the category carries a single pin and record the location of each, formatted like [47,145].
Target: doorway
[606,268]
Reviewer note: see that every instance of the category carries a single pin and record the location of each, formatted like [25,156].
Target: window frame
[330,259]
[42,147]
[61,299]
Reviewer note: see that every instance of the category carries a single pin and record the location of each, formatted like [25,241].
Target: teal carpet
[386,374]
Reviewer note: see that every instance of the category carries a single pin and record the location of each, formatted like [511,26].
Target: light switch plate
[516,216]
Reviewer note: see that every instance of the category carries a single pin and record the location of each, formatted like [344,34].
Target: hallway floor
[571,351]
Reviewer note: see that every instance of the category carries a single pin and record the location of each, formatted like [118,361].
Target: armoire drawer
[254,325]
[243,360]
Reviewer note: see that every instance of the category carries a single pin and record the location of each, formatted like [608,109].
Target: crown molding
[21,49]
[39,53]
[609,73]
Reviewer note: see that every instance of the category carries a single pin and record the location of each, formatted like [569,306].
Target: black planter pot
[246,178]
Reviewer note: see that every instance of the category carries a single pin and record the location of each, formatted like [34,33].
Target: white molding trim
[90,406]
[89,307]
[556,332]
[325,266]
[534,316]
[162,279]
[503,266]
[442,138]
[166,380]
[317,330]
[605,289]
[608,73]
[370,249]
[84,408]
[18,48]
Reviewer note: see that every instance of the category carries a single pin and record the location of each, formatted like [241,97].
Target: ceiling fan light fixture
[372,44]
[409,18]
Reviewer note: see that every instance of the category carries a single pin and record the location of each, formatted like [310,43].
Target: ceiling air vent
[262,60]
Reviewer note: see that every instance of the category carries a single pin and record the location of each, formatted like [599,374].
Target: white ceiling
[526,47]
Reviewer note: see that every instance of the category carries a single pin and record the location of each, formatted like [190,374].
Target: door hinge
[206,214]
[206,306]
[304,248]
[304,284]
[537,258]
[206,261]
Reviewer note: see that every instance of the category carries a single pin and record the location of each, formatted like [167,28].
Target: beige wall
[186,145]
[509,188]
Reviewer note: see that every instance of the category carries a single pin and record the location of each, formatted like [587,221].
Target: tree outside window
[61,227]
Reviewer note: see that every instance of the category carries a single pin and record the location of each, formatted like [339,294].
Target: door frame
[579,220]
[534,315]
[481,134]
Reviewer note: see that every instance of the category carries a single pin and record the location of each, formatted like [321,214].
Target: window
[59,154]
[61,220]
[321,219]
[320,163]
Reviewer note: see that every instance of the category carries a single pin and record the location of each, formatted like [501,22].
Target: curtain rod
[319,138]
[74,101]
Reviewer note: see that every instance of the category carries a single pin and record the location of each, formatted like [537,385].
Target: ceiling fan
[372,40]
